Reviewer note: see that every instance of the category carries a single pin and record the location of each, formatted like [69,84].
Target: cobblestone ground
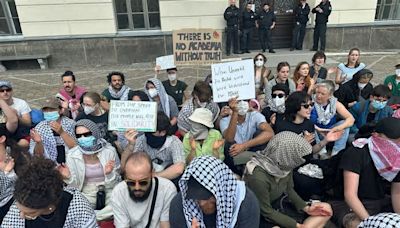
[36,85]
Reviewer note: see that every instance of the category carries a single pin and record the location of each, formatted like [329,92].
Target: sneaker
[313,49]
[263,50]
[272,51]
[291,49]
[247,51]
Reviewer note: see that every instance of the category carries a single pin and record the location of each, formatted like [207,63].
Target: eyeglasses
[278,95]
[5,90]
[132,183]
[86,134]
[308,105]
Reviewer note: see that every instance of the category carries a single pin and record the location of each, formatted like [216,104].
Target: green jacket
[395,86]
[268,189]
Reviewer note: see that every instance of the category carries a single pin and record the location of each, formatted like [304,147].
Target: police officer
[299,31]
[248,25]
[231,16]
[265,23]
[322,11]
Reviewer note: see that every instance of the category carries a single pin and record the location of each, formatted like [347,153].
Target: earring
[50,208]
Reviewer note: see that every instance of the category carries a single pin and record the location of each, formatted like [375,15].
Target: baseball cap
[4,83]
[397,65]
[202,116]
[389,126]
[196,191]
[51,103]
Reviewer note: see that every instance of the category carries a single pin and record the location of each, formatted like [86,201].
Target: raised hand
[35,136]
[109,167]
[55,126]
[131,135]
[64,171]
[217,144]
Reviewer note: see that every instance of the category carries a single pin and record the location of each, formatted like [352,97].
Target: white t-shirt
[21,106]
[128,213]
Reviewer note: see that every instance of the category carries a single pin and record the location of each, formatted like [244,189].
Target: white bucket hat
[202,116]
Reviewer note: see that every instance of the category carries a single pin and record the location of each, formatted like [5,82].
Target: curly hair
[116,73]
[39,185]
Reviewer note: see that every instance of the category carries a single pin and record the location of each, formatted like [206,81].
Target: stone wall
[126,50]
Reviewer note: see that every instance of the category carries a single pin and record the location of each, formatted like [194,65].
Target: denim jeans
[339,144]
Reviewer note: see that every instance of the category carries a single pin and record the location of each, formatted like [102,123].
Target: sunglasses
[86,134]
[5,90]
[278,95]
[132,183]
[308,105]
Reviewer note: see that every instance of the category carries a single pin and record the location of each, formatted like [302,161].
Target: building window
[137,14]
[388,10]
[9,22]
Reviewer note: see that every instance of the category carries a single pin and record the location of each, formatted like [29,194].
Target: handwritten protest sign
[197,46]
[165,62]
[138,115]
[233,79]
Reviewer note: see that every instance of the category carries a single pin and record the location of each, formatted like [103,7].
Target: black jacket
[322,18]
[302,14]
[248,19]
[265,19]
[350,92]
[232,15]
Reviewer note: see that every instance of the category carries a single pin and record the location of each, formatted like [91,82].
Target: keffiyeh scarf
[384,153]
[122,94]
[382,220]
[284,152]
[94,128]
[162,94]
[48,139]
[217,178]
[325,114]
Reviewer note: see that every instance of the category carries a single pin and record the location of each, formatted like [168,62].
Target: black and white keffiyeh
[122,94]
[382,220]
[6,188]
[79,214]
[162,94]
[217,178]
[48,139]
[96,132]
[325,114]
[284,152]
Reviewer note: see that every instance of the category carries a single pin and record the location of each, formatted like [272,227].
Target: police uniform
[321,20]
[231,16]
[265,21]
[248,24]
[299,30]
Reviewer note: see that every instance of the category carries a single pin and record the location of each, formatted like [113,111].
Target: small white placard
[233,79]
[138,115]
[165,62]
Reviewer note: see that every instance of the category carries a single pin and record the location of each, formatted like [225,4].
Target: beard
[145,193]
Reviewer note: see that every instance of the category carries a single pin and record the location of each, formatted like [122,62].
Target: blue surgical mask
[51,116]
[378,105]
[86,142]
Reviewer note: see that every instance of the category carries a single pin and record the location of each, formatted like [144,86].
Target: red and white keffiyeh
[384,153]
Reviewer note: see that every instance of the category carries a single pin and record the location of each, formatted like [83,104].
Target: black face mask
[141,198]
[155,142]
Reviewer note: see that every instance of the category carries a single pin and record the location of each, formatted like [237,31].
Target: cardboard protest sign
[233,79]
[165,62]
[197,46]
[138,115]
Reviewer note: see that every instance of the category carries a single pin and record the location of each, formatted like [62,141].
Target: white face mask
[172,77]
[88,109]
[279,101]
[201,104]
[152,92]
[361,85]
[259,63]
[398,72]
[242,107]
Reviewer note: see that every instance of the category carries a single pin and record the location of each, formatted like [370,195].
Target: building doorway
[282,34]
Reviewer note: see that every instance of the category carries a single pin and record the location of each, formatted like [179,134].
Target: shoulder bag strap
[153,202]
